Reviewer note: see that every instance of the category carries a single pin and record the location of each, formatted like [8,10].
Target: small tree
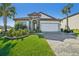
[6,10]
[66,10]
[20,25]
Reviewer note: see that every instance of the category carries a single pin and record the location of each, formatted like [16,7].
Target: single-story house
[73,21]
[2,28]
[40,21]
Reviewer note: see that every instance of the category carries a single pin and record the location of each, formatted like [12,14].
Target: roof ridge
[47,15]
[71,15]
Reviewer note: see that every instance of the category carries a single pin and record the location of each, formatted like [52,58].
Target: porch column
[38,25]
[29,25]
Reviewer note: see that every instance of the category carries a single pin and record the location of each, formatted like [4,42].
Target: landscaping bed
[29,46]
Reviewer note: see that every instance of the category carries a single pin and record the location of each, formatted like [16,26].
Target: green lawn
[29,46]
[76,32]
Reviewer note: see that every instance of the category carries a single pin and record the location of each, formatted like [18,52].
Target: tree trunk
[68,29]
[5,23]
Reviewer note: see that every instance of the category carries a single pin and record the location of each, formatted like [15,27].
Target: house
[40,21]
[73,21]
[2,28]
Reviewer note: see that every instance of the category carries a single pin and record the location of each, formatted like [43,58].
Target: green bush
[10,32]
[66,31]
[13,33]
[20,25]
[40,36]
[24,32]
[16,33]
[62,30]
[76,30]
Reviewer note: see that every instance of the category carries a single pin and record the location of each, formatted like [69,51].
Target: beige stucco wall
[73,22]
[0,30]
[44,16]
[49,22]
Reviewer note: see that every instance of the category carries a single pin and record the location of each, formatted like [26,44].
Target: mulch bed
[13,38]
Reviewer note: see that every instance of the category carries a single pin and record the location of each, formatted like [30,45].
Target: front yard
[76,32]
[29,46]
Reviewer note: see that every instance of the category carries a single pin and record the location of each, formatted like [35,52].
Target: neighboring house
[73,21]
[2,28]
[40,21]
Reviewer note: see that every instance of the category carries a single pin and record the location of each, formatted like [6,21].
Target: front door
[34,25]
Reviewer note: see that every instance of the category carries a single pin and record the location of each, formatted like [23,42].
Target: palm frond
[11,12]
[1,11]
[67,9]
[6,5]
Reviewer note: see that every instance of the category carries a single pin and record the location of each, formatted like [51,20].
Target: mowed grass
[29,46]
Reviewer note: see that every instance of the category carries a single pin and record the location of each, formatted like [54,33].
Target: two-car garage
[49,26]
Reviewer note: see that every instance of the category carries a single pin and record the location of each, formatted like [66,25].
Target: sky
[52,9]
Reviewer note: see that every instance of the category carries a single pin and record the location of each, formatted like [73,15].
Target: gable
[71,16]
[47,17]
[73,19]
[73,22]
[44,16]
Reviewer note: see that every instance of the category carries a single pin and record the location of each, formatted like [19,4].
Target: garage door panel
[49,27]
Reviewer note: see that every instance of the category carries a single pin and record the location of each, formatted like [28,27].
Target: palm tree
[66,10]
[6,11]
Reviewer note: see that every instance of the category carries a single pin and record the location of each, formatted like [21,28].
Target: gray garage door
[49,27]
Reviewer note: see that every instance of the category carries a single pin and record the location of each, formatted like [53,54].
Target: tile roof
[37,14]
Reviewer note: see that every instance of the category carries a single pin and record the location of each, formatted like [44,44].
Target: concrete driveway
[58,36]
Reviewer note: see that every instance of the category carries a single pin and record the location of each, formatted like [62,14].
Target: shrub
[17,25]
[13,34]
[16,33]
[62,30]
[65,30]
[24,32]
[20,25]
[40,36]
[76,30]
[10,32]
